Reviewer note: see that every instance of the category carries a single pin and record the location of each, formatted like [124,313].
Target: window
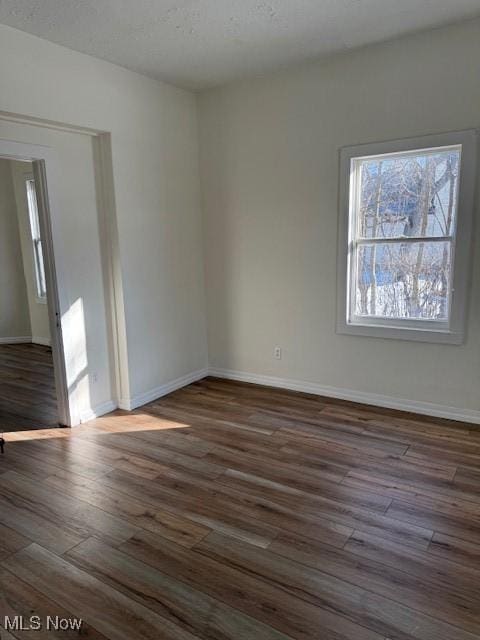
[36,240]
[404,237]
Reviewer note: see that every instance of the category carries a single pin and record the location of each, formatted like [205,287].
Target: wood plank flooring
[27,388]
[229,511]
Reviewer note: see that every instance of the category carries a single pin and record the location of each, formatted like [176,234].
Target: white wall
[269,158]
[155,170]
[38,310]
[14,315]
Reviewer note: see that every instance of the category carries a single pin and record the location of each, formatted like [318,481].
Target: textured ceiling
[202,43]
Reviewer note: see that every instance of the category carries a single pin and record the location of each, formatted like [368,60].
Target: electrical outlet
[277,353]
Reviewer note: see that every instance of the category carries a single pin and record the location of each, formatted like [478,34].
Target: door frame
[43,162]
[49,168]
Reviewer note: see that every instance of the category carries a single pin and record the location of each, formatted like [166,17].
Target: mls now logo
[35,623]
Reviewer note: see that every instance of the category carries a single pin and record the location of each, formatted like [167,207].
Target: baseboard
[137,401]
[132,403]
[389,402]
[26,340]
[16,340]
[362,397]
[99,410]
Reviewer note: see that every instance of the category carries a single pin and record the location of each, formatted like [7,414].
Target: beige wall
[38,310]
[155,171]
[269,159]
[14,315]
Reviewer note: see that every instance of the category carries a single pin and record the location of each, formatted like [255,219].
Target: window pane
[412,195]
[33,209]
[403,280]
[36,240]
[41,284]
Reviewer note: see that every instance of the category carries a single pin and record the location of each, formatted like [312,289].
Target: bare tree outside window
[403,233]
[404,237]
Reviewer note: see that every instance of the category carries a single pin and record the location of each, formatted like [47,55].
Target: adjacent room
[27,390]
[240,320]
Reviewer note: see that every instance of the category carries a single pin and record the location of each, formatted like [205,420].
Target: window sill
[412,334]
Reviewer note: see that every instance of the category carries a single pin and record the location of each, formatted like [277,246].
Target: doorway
[27,384]
[32,385]
[72,170]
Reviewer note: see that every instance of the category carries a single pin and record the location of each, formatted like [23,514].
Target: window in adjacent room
[41,288]
[405,237]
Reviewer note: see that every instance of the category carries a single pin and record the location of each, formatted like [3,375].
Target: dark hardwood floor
[229,511]
[27,388]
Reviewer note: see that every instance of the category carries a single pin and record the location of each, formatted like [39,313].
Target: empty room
[240,319]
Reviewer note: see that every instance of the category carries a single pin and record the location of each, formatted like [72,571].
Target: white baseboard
[16,340]
[389,402]
[45,341]
[26,340]
[99,410]
[137,401]
[132,403]
[362,397]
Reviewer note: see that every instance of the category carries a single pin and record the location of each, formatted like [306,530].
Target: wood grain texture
[228,511]
[27,388]
[17,598]
[107,609]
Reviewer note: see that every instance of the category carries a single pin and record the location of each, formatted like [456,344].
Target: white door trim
[110,255]
[46,171]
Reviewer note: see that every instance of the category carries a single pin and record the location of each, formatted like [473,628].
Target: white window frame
[451,331]
[35,237]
